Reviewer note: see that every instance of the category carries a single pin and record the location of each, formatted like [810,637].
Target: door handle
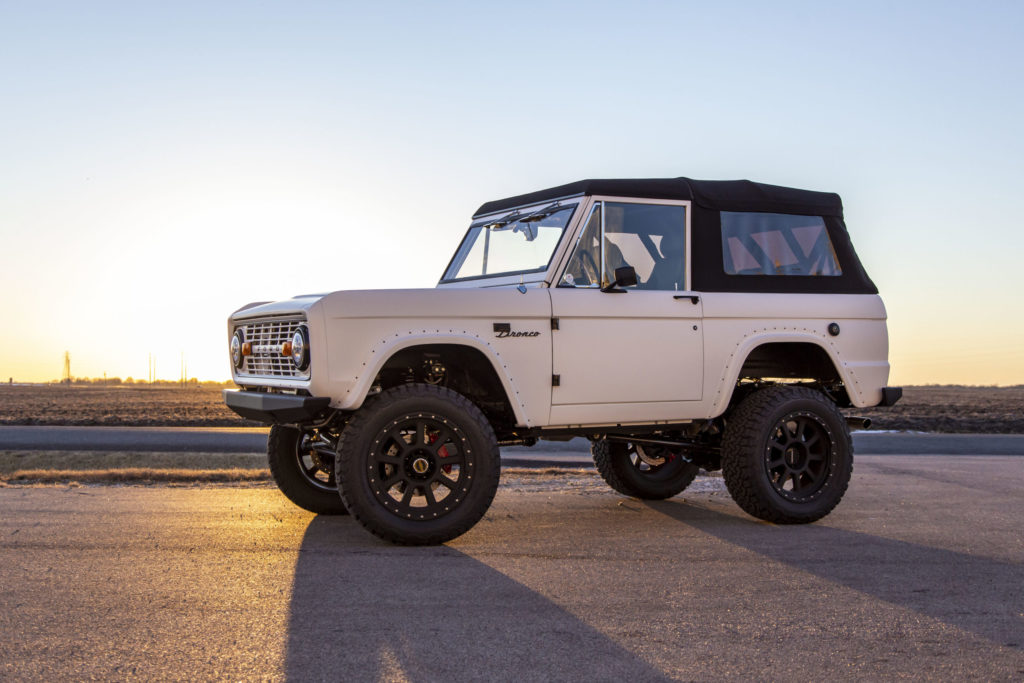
[694,299]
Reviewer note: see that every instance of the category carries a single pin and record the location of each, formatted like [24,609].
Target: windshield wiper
[537,216]
[503,221]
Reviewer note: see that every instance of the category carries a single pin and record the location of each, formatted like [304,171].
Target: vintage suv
[678,324]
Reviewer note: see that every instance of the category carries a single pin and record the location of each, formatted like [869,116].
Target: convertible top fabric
[717,195]
[710,198]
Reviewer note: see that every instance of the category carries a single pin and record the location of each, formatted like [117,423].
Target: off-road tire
[286,470]
[764,440]
[370,456]
[612,459]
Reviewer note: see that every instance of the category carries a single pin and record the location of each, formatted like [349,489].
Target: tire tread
[744,436]
[280,443]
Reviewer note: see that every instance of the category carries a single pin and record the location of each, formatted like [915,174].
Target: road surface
[917,574]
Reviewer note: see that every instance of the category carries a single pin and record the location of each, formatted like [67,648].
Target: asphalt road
[917,574]
[544,454]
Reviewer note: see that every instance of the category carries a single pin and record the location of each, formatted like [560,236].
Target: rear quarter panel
[735,324]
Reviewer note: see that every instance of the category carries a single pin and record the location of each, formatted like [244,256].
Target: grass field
[991,410]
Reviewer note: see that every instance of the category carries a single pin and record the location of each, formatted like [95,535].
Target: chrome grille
[266,338]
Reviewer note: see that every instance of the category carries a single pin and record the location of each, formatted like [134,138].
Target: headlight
[300,348]
[236,348]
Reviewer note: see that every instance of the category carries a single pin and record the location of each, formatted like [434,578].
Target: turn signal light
[246,349]
[286,349]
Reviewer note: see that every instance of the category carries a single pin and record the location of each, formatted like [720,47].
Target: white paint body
[643,357]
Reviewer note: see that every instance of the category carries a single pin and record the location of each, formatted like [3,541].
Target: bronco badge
[502,330]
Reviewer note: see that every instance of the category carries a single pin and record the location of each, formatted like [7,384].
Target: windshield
[519,242]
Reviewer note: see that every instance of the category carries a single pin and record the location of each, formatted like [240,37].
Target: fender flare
[777,335]
[385,350]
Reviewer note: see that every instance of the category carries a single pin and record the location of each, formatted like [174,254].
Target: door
[635,354]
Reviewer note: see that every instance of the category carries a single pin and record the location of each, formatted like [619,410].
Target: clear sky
[163,163]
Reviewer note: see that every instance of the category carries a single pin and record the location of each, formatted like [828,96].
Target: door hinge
[556,380]
[554,323]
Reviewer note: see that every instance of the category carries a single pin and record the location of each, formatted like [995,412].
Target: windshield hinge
[554,323]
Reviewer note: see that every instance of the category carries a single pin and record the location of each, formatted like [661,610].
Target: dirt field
[991,410]
[125,405]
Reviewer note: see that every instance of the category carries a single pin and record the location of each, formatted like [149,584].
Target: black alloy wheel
[796,460]
[418,464]
[302,466]
[419,467]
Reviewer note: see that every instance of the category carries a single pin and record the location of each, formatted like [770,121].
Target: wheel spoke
[784,477]
[407,496]
[450,484]
[428,493]
[396,477]
[399,440]
[421,434]
[393,460]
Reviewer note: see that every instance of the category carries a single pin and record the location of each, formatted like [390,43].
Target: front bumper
[275,408]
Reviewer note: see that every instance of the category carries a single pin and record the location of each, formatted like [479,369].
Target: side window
[777,244]
[583,270]
[649,237]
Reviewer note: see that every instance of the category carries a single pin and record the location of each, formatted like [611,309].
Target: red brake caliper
[442,453]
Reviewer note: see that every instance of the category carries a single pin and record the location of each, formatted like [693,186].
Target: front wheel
[787,456]
[640,471]
[304,470]
[418,464]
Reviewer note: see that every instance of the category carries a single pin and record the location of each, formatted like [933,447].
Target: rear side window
[777,244]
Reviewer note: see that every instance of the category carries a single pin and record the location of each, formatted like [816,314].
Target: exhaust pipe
[855,423]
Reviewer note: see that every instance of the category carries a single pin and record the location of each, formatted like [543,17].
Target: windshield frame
[515,276]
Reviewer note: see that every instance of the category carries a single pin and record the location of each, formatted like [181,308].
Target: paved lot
[917,574]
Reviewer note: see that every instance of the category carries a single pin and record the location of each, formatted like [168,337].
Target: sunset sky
[165,163]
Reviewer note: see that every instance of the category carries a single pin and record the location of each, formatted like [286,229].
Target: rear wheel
[787,456]
[304,470]
[418,464]
[642,471]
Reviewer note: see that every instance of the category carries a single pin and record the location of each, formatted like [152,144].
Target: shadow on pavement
[363,609]
[977,594]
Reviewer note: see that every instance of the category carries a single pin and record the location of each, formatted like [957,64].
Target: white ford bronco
[677,324]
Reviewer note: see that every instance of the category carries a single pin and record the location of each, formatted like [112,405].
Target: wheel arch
[466,351]
[781,354]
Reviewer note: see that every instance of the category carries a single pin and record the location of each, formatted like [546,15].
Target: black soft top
[717,195]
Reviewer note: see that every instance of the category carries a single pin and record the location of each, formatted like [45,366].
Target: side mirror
[624,277]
